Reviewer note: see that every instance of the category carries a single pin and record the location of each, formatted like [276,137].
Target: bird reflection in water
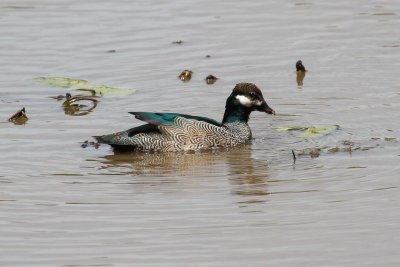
[247,176]
[162,164]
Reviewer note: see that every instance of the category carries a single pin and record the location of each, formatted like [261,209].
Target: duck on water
[170,132]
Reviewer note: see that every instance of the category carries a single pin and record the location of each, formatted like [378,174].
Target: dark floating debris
[93,144]
[347,143]
[345,146]
[73,108]
[185,75]
[312,152]
[315,152]
[211,79]
[111,51]
[300,73]
[208,56]
[177,42]
[58,97]
[92,92]
[61,97]
[62,82]
[19,117]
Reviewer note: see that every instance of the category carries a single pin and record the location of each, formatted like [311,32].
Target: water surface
[62,205]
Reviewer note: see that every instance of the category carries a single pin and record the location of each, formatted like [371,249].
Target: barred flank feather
[187,135]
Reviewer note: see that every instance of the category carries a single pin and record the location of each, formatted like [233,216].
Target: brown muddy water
[63,205]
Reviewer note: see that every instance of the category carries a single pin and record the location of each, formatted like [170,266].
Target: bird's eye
[252,95]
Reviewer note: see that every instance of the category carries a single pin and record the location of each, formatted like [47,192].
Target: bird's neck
[234,112]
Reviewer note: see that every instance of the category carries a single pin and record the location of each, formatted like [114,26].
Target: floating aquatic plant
[308,132]
[313,131]
[75,105]
[109,90]
[91,91]
[312,152]
[291,128]
[61,82]
[84,85]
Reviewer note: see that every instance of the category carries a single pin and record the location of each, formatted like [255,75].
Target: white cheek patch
[244,100]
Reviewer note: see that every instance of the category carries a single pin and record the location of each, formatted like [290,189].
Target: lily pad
[62,82]
[308,132]
[109,90]
[313,131]
[291,128]
[84,85]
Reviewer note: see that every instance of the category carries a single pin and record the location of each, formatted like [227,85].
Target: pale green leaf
[291,128]
[308,131]
[84,85]
[109,90]
[62,82]
[314,131]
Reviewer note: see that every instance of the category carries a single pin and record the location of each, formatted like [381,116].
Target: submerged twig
[294,156]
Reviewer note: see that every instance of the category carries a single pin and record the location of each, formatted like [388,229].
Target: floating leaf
[109,90]
[61,97]
[291,128]
[84,85]
[313,131]
[308,131]
[61,82]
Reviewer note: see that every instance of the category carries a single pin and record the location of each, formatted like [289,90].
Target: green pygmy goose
[170,132]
